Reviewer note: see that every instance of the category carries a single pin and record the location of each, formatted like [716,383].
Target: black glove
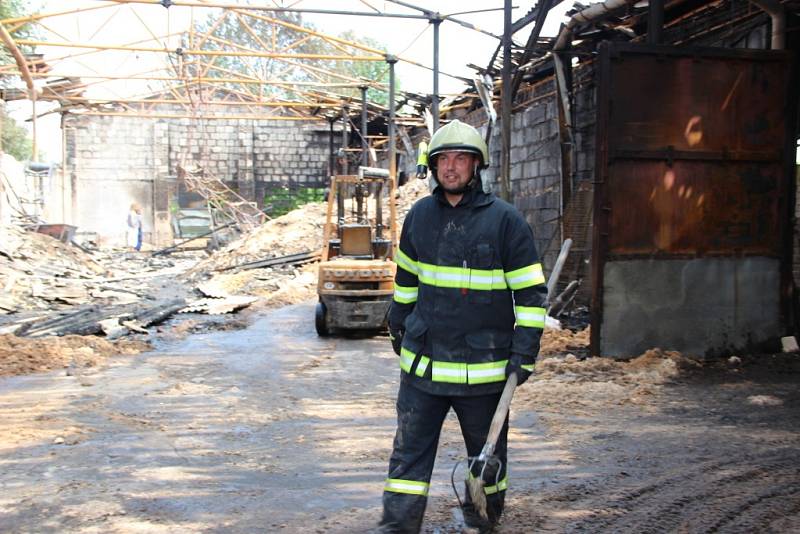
[397,340]
[514,365]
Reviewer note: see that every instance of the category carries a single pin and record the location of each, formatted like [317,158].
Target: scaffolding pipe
[156,101]
[194,79]
[147,115]
[230,5]
[364,140]
[436,21]
[213,53]
[429,14]
[505,112]
[391,60]
[345,140]
[331,149]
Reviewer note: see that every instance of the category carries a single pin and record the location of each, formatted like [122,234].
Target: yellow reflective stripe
[484,373]
[404,261]
[489,490]
[459,277]
[405,295]
[487,279]
[530,316]
[453,373]
[529,368]
[422,366]
[531,275]
[406,359]
[500,486]
[411,487]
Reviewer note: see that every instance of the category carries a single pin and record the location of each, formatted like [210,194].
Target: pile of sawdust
[24,355]
[563,341]
[298,231]
[597,382]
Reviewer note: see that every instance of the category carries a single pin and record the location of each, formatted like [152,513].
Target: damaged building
[667,157]
[658,137]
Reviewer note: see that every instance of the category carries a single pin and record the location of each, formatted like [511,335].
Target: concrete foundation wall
[691,305]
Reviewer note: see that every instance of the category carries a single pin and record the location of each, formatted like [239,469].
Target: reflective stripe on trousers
[419,420]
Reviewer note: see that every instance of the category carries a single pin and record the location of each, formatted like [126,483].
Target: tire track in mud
[740,494]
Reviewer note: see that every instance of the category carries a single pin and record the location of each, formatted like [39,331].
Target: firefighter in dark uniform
[467,312]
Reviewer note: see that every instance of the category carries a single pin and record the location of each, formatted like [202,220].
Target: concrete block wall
[109,165]
[242,152]
[114,161]
[292,152]
[536,169]
[536,182]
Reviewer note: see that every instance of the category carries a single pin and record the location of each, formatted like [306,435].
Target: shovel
[486,457]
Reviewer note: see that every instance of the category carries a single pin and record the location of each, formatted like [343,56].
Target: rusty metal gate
[693,200]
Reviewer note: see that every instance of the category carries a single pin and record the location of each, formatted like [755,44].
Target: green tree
[259,33]
[368,70]
[14,139]
[255,33]
[12,9]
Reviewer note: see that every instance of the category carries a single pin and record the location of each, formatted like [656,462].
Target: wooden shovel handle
[500,415]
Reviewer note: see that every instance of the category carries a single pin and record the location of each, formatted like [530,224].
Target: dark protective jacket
[469,293]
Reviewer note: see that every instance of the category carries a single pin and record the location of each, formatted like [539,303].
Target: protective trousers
[419,422]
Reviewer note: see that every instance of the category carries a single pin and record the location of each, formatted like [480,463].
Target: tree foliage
[367,70]
[263,33]
[14,139]
[12,9]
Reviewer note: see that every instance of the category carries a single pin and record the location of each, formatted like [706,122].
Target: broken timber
[86,321]
[289,259]
[558,304]
[176,246]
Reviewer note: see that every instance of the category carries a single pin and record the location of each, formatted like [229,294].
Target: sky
[412,39]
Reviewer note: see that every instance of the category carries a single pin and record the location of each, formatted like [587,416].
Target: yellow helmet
[458,136]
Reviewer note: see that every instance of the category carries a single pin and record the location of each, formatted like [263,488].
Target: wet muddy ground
[272,429]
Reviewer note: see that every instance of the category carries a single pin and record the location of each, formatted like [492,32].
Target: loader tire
[320,315]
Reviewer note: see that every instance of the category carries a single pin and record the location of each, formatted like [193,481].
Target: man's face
[454,170]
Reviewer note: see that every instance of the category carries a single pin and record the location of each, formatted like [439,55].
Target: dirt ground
[272,429]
